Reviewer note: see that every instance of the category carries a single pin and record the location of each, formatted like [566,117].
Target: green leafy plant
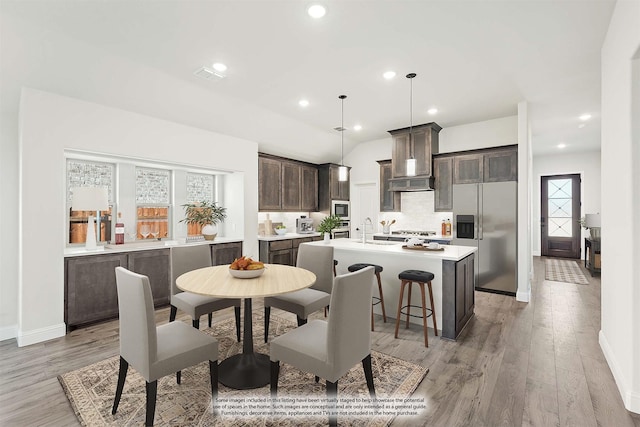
[583,223]
[329,223]
[279,227]
[204,213]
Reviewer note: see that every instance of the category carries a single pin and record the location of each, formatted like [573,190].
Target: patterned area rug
[563,270]
[91,389]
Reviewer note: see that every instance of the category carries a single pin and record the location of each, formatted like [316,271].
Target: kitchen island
[453,285]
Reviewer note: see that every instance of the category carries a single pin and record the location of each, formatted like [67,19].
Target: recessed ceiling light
[389,75]
[219,66]
[562,145]
[432,111]
[581,125]
[585,117]
[303,103]
[316,11]
[357,127]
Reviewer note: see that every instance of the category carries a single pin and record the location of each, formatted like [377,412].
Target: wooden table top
[218,282]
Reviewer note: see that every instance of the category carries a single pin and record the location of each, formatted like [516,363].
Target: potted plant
[205,214]
[329,223]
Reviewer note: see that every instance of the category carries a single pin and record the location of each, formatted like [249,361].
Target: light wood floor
[516,364]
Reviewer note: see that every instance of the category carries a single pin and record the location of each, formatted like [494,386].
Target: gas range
[414,233]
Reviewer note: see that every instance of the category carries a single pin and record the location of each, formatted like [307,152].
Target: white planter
[210,231]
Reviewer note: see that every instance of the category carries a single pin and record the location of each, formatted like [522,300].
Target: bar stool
[376,300]
[407,277]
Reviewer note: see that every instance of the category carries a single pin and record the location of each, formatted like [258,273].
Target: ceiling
[475,60]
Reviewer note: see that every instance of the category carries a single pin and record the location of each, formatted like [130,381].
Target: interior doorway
[560,212]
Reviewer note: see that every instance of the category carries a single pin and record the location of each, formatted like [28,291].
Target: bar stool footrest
[419,307]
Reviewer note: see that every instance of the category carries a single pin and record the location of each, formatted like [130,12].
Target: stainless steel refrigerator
[485,216]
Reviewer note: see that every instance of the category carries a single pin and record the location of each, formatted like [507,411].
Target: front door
[560,213]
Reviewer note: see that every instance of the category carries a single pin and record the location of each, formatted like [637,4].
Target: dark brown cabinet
[284,251]
[155,265]
[501,165]
[421,145]
[286,185]
[269,184]
[492,165]
[225,253]
[458,295]
[330,187]
[443,197]
[389,200]
[90,288]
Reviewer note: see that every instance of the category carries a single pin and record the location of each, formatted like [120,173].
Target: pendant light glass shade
[342,170]
[411,162]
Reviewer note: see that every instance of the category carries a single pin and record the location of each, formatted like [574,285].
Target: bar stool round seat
[408,277]
[375,300]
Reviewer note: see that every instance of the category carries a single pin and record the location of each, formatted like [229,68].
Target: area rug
[563,270]
[90,391]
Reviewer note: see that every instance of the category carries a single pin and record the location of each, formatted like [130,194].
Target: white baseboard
[8,332]
[536,253]
[630,398]
[40,335]
[523,296]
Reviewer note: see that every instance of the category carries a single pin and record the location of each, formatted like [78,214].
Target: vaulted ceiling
[475,60]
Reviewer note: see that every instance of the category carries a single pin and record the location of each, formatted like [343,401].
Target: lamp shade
[592,220]
[89,199]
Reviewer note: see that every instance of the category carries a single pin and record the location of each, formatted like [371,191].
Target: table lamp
[90,199]
[592,222]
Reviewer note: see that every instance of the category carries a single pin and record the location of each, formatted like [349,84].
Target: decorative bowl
[281,231]
[246,274]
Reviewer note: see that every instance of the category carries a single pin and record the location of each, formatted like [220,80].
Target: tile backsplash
[417,213]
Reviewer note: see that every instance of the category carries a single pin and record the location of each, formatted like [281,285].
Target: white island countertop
[450,252]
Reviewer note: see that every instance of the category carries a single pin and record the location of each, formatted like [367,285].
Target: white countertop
[407,236]
[74,251]
[450,252]
[288,236]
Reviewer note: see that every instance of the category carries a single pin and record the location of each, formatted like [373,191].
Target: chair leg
[267,316]
[213,376]
[424,316]
[237,313]
[152,392]
[372,318]
[408,304]
[195,323]
[368,374]
[332,395]
[172,314]
[122,376]
[301,321]
[317,379]
[179,377]
[402,285]
[433,309]
[275,373]
[210,318]
[384,313]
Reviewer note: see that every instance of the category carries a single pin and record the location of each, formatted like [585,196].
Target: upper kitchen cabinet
[286,185]
[443,171]
[490,165]
[330,187]
[501,165]
[389,200]
[422,144]
[269,184]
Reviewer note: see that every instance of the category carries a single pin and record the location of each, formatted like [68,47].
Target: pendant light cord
[342,97]
[410,76]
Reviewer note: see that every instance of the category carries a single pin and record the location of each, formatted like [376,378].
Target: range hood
[414,183]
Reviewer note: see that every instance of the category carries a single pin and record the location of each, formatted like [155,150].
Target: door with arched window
[560,213]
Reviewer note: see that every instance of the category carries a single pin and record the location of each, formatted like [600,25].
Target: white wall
[620,333]
[489,133]
[49,124]
[587,164]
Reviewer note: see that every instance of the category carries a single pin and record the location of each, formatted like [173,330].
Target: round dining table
[248,369]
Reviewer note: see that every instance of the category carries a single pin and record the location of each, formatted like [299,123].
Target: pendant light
[411,162]
[342,170]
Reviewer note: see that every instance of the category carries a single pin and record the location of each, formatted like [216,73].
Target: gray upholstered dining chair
[318,260]
[329,349]
[183,260]
[156,351]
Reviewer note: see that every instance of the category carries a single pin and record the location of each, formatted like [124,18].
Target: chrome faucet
[364,228]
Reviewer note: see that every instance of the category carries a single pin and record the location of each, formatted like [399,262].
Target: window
[81,173]
[153,194]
